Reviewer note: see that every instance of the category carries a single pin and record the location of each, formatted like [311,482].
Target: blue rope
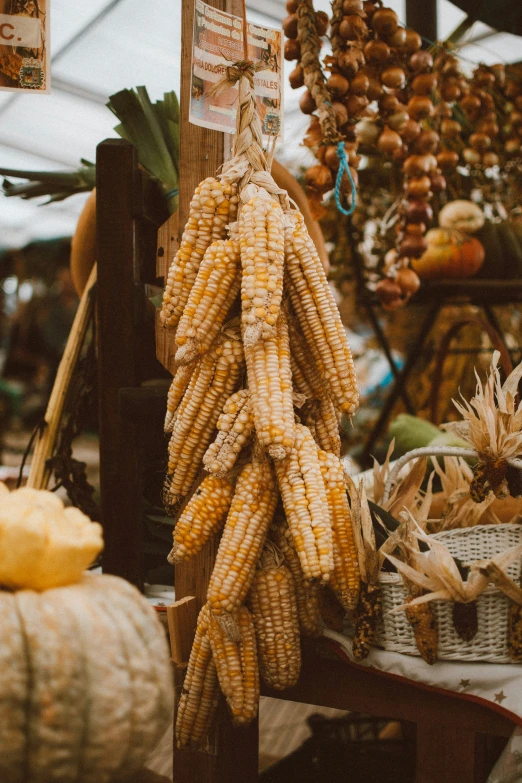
[343,166]
[171,193]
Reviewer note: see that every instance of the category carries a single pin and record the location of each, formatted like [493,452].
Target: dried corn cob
[215,288]
[318,316]
[200,692]
[236,665]
[367,615]
[423,623]
[345,579]
[321,419]
[304,500]
[261,239]
[218,374]
[274,609]
[305,374]
[203,516]
[248,520]
[213,205]
[270,384]
[178,387]
[306,593]
[465,619]
[235,425]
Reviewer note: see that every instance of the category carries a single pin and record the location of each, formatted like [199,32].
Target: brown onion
[443,110]
[398,120]
[417,229]
[471,156]
[412,246]
[291,6]
[450,92]
[331,158]
[490,127]
[512,146]
[484,78]
[397,39]
[367,132]
[341,113]
[413,42]
[360,84]
[350,60]
[470,105]
[289,25]
[515,118]
[314,134]
[438,182]
[292,50]
[416,165]
[394,78]
[401,154]
[319,178]
[490,159]
[338,85]
[353,7]
[352,26]
[421,61]
[296,77]
[499,73]
[376,52]
[419,212]
[419,107]
[388,104]
[388,291]
[420,187]
[411,130]
[428,141]
[355,104]
[407,280]
[488,102]
[374,90]
[385,21]
[480,141]
[448,160]
[307,103]
[322,21]
[389,141]
[450,129]
[424,83]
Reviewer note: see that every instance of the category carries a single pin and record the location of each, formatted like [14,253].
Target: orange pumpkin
[449,254]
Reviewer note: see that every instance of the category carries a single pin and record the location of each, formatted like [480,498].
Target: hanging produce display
[428,131]
[264,374]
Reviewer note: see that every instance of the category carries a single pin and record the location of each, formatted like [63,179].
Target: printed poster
[24,45]
[218,42]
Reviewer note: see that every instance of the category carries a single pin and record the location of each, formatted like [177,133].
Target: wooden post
[422,17]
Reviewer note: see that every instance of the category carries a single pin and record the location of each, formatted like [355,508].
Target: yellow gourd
[42,543]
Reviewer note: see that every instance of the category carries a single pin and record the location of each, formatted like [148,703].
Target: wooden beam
[422,16]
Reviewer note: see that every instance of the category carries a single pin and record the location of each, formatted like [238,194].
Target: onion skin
[307,103]
[360,84]
[289,25]
[321,23]
[296,77]
[421,61]
[413,42]
[394,78]
[389,141]
[385,21]
[377,52]
[424,83]
[420,107]
[319,178]
[338,85]
[292,50]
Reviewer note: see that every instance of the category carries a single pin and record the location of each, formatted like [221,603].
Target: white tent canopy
[103,46]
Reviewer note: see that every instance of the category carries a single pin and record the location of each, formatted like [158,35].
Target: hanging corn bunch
[264,376]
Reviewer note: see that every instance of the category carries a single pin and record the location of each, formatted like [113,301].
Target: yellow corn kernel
[202,517]
[215,288]
[304,500]
[261,240]
[236,665]
[307,593]
[178,387]
[235,426]
[270,383]
[200,693]
[219,372]
[345,579]
[274,609]
[213,205]
[248,520]
[318,316]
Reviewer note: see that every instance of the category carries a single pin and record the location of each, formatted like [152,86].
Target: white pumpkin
[461,215]
[85,683]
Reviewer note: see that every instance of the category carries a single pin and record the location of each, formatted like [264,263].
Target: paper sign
[218,42]
[24,43]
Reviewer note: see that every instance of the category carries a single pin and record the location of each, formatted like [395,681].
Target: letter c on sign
[4,35]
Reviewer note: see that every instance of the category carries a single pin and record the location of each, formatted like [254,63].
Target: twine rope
[343,166]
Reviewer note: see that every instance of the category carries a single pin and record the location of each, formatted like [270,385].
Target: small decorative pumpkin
[449,254]
[461,215]
[85,680]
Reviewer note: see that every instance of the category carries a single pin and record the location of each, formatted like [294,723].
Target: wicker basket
[490,642]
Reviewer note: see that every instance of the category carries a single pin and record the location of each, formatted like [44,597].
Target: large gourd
[449,254]
[85,681]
